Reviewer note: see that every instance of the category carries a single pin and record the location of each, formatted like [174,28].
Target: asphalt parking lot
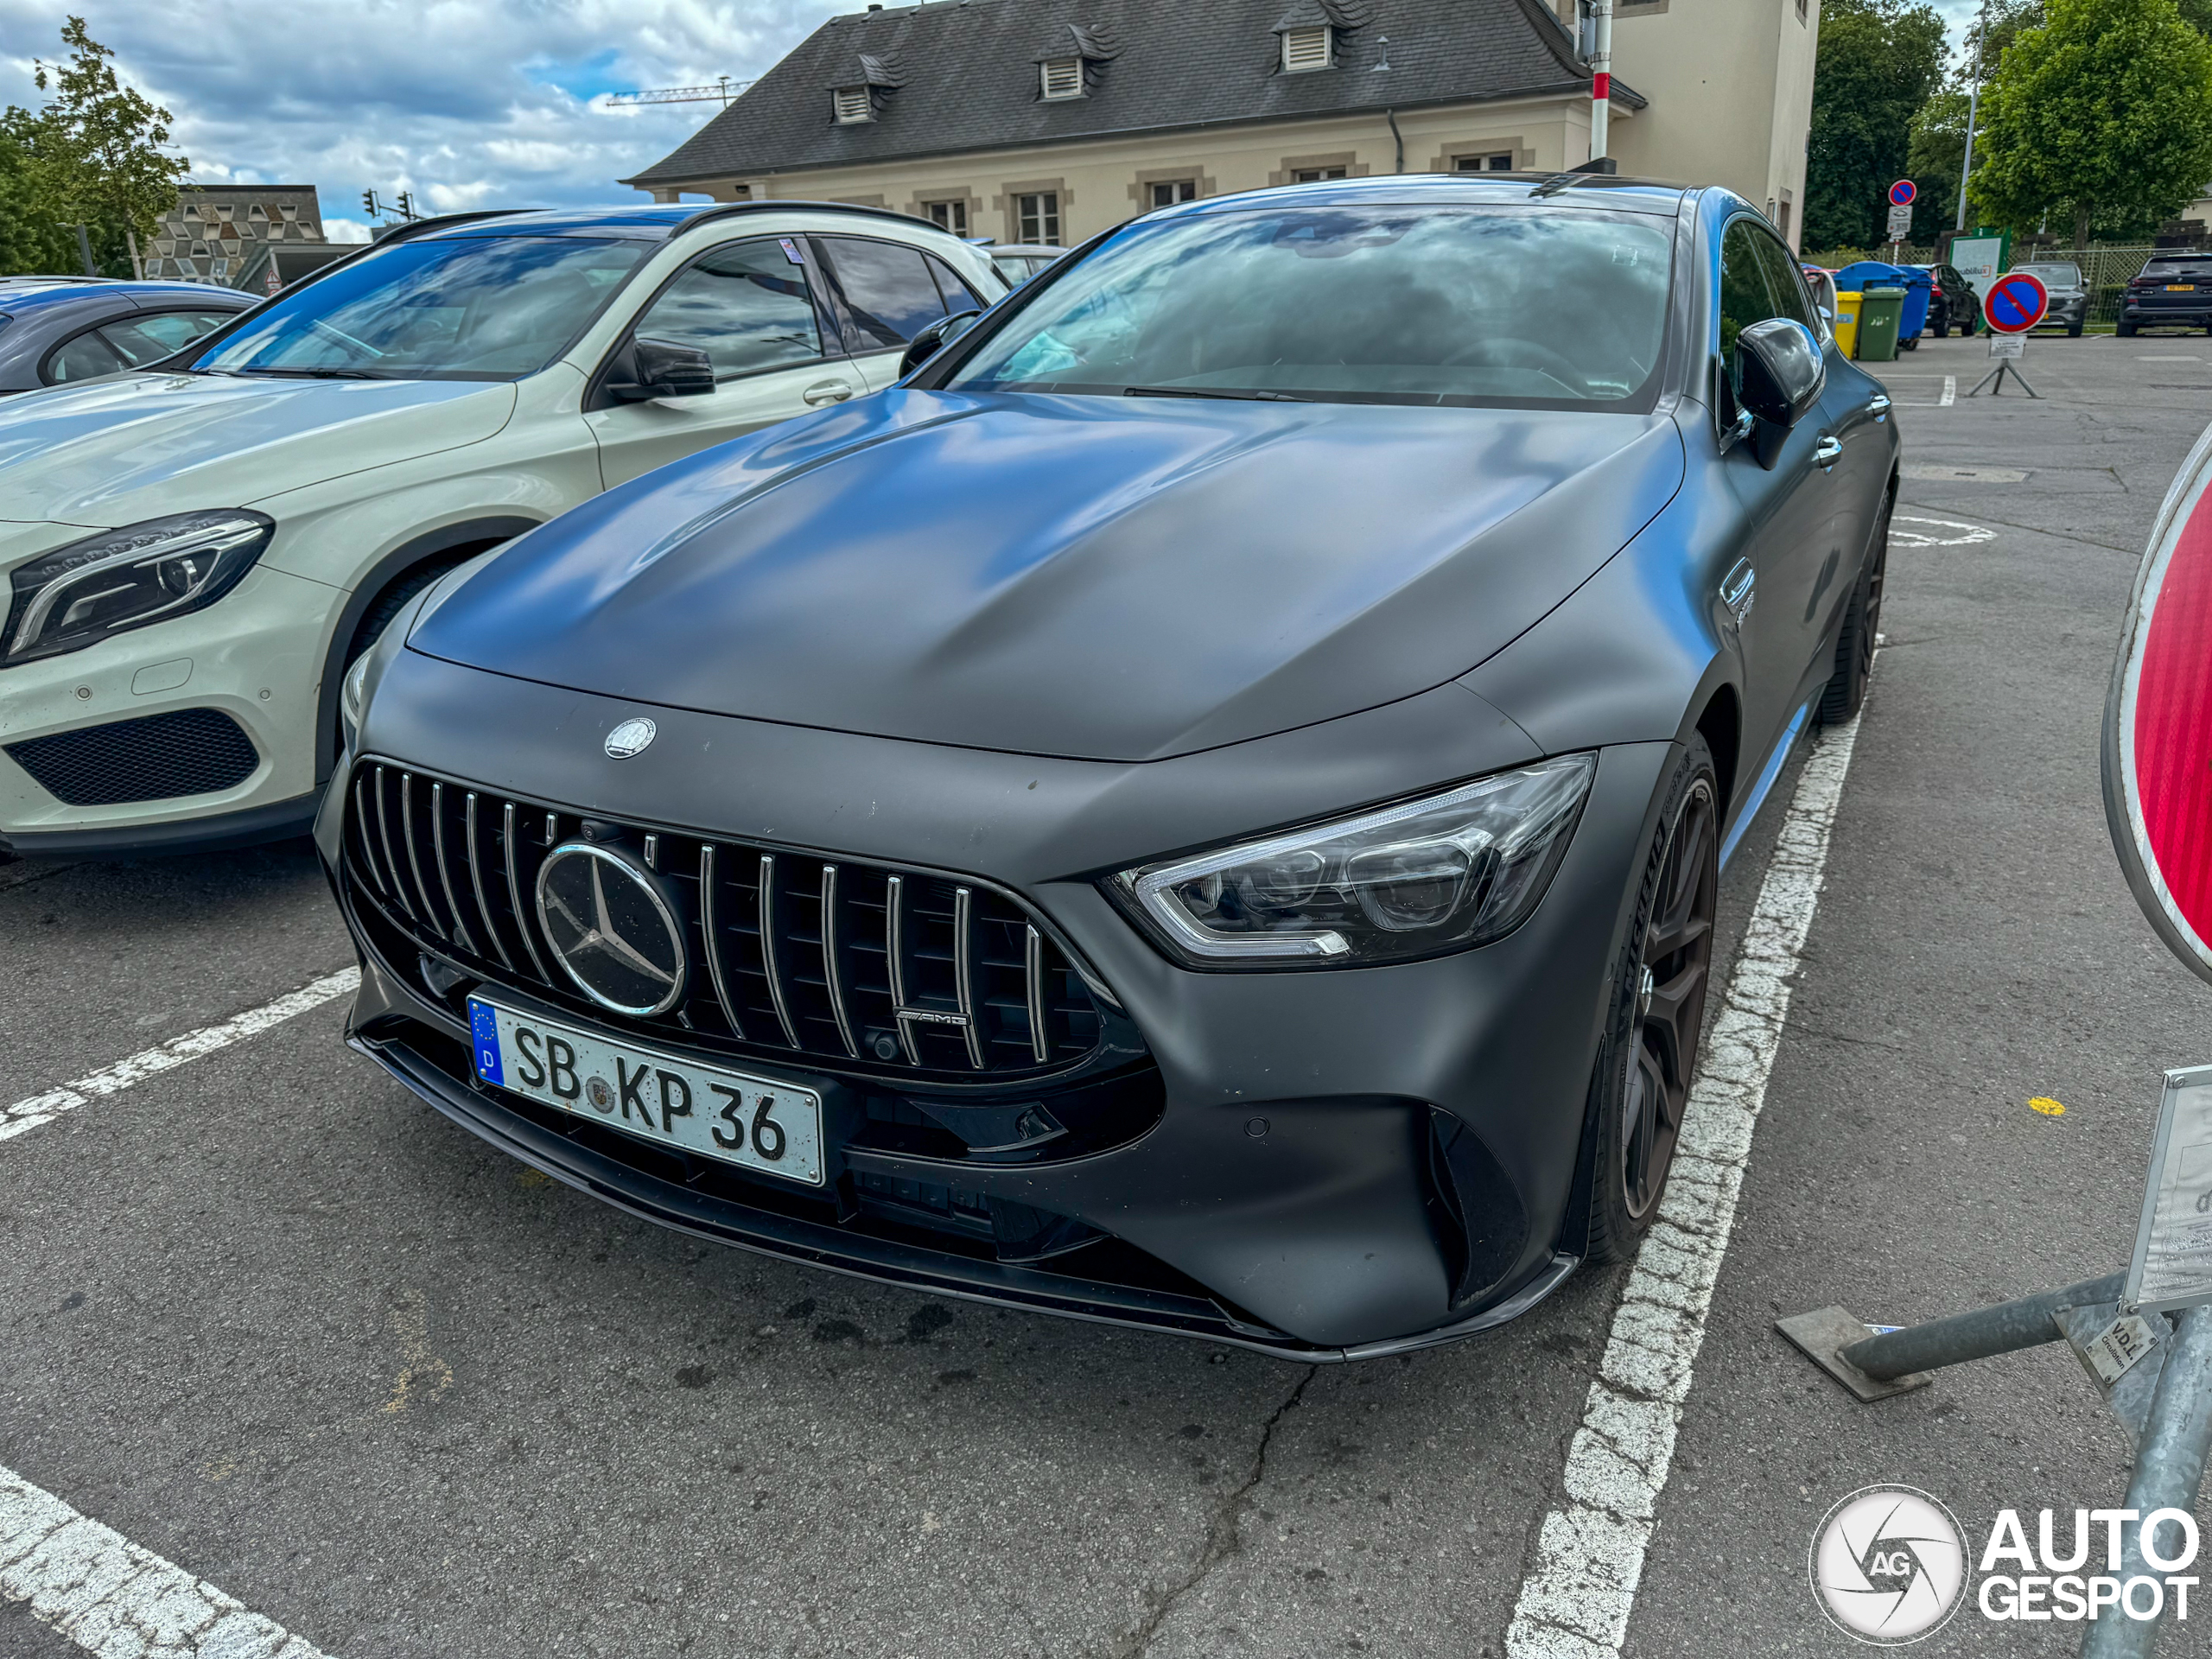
[269,1318]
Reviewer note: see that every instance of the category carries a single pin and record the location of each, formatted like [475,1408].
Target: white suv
[196,551]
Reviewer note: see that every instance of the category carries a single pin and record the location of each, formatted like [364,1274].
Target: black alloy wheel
[1641,1086]
[1862,626]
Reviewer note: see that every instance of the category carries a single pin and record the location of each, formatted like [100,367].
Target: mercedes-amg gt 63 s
[1200,807]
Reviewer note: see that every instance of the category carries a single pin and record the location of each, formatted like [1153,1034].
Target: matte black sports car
[1200,807]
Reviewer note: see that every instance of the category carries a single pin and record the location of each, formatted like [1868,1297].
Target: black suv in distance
[2174,290]
[2069,294]
[1952,303]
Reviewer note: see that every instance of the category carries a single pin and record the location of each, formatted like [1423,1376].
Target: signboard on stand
[1980,260]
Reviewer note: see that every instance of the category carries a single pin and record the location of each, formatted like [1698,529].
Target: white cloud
[491,103]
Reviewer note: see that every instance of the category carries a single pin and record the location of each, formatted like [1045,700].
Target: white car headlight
[79,594]
[1443,873]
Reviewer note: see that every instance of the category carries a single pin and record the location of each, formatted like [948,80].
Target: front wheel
[1641,1087]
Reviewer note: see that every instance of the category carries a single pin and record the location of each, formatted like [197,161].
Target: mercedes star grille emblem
[629,737]
[611,928]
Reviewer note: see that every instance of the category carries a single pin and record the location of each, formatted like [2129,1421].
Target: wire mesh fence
[2105,270]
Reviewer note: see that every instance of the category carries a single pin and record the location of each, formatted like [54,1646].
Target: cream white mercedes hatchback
[196,551]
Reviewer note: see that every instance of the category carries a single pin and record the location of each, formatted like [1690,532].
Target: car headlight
[1443,873]
[354,699]
[79,594]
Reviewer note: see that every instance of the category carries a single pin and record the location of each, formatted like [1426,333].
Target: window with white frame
[1497,162]
[1059,78]
[948,215]
[1306,48]
[1314,175]
[1038,215]
[852,105]
[1166,193]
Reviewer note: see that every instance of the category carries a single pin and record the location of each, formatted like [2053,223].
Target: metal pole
[1601,81]
[2000,1330]
[1973,108]
[2169,1468]
[85,252]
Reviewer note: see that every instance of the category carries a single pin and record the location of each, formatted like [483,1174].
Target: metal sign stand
[1995,378]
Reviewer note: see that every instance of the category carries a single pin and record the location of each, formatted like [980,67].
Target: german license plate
[769,1127]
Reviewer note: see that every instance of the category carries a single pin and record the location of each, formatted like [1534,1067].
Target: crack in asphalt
[1224,1534]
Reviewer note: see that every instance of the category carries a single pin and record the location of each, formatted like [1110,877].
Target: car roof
[656,221]
[22,295]
[1462,189]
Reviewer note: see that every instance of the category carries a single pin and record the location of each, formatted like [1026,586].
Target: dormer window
[852,105]
[1059,78]
[1306,48]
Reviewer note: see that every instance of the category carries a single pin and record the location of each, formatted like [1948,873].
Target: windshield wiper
[1213,391]
[322,374]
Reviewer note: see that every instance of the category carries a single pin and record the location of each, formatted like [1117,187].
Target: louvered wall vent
[1306,48]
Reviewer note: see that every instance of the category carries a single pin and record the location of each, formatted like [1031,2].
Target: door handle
[1877,406]
[827,391]
[1736,589]
[1828,451]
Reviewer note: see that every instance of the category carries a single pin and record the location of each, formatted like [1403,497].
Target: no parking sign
[2015,303]
[2158,738]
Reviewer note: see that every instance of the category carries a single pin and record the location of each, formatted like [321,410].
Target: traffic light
[369,202]
[407,205]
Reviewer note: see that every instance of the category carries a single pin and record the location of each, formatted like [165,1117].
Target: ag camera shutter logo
[1888,1565]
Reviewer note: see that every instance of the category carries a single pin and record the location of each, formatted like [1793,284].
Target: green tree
[1879,60]
[94,152]
[2103,112]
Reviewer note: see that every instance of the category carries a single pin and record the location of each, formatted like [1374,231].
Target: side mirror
[1780,372]
[664,368]
[934,339]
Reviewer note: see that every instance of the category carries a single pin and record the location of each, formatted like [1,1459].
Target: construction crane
[721,92]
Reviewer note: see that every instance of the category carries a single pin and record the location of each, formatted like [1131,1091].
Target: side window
[1746,296]
[1786,281]
[958,296]
[149,338]
[888,288]
[745,306]
[83,358]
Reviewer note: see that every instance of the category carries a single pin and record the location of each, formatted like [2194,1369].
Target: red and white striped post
[1601,78]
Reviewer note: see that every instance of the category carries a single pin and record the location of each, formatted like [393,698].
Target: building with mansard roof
[228,234]
[1048,120]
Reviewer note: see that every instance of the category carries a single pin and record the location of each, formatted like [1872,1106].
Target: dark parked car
[56,329]
[1951,303]
[2069,294]
[2173,290]
[1174,814]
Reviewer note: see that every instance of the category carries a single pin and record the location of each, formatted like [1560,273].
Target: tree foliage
[1879,60]
[92,155]
[2104,110]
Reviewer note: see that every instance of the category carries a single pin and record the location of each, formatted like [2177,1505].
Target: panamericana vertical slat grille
[855,964]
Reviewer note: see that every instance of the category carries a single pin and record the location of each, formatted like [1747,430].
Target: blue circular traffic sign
[2015,303]
[1902,194]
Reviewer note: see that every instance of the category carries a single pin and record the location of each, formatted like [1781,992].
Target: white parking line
[1575,1601]
[1950,391]
[27,1114]
[113,1598]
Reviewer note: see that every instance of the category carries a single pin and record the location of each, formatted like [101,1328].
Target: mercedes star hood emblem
[629,737]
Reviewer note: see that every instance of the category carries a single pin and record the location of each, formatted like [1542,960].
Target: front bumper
[254,656]
[1301,1183]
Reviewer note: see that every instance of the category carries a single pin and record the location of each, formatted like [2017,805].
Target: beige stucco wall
[1101,183]
[1731,89]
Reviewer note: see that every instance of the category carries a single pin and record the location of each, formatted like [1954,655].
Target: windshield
[1519,306]
[472,309]
[2058,276]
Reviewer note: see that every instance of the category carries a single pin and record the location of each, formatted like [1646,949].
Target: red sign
[1902,194]
[2158,742]
[2015,303]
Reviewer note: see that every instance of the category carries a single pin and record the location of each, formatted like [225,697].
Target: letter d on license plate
[760,1125]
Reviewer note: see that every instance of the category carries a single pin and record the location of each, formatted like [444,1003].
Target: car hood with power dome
[114,452]
[1107,578]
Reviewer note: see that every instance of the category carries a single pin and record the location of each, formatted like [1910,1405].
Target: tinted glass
[82,359]
[1746,295]
[2058,275]
[952,288]
[1784,280]
[1381,304]
[2178,268]
[747,307]
[473,308]
[887,289]
[149,338]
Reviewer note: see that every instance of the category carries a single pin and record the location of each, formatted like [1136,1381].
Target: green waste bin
[1879,314]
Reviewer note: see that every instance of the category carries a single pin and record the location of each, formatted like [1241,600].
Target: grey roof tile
[968,75]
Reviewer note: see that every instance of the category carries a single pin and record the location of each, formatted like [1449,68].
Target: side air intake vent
[185,751]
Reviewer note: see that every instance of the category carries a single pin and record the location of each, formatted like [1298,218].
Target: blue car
[55,330]
[1201,807]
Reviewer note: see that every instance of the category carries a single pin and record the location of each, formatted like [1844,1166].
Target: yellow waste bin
[1847,321]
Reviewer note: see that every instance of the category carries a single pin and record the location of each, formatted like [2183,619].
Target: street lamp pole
[1601,78]
[1974,108]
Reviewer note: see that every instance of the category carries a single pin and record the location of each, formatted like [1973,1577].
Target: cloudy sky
[465,102]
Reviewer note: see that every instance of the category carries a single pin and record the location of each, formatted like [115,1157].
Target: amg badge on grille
[629,737]
[612,928]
